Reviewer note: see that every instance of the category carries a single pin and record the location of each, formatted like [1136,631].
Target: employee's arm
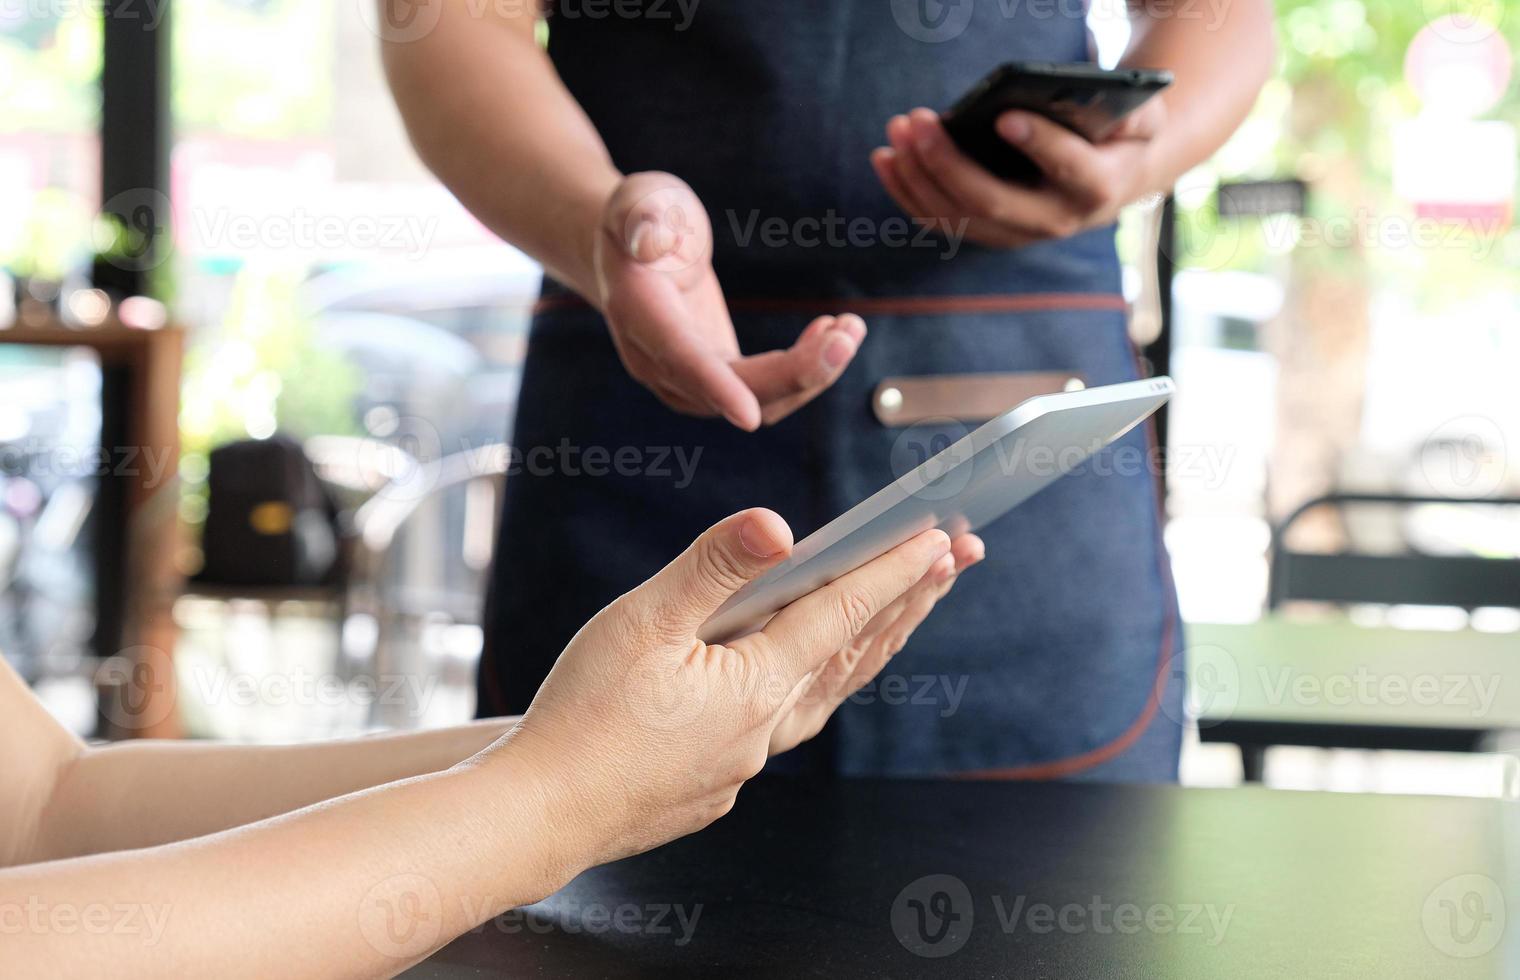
[489,115]
[1220,59]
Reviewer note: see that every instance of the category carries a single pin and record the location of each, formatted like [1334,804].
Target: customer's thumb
[727,556]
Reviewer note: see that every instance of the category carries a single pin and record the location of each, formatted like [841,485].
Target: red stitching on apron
[1086,760]
[895,305]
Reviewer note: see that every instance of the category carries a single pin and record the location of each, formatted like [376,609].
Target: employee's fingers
[785,380]
[936,208]
[643,369]
[1144,123]
[806,633]
[1067,160]
[682,596]
[979,193]
[653,320]
[935,202]
[703,376]
[884,162]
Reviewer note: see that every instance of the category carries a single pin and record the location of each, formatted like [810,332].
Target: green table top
[1335,672]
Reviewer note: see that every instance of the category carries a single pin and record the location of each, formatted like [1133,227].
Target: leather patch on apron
[963,397]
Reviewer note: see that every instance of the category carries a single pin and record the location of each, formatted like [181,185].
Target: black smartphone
[1086,99]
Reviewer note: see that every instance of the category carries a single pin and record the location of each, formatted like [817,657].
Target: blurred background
[1335,294]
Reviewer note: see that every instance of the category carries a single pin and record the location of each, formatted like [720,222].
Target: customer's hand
[643,733]
[656,286]
[864,657]
[1084,184]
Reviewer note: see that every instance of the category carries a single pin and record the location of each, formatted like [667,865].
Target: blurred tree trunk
[1321,339]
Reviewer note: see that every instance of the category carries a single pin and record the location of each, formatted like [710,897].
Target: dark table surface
[963,879]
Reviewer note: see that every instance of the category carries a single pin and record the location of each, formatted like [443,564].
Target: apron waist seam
[895,305]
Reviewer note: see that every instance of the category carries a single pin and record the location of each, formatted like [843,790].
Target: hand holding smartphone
[1086,99]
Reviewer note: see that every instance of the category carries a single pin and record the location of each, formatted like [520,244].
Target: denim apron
[1053,658]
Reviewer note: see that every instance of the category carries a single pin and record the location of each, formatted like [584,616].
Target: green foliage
[261,71]
[1328,116]
[260,370]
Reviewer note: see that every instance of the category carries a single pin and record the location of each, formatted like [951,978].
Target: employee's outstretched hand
[643,733]
[656,286]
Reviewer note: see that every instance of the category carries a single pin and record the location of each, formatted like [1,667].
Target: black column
[134,138]
[134,181]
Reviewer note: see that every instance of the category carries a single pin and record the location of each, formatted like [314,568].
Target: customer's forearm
[360,886]
[139,794]
[1220,57]
[488,114]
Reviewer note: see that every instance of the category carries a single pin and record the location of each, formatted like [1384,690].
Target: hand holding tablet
[965,487]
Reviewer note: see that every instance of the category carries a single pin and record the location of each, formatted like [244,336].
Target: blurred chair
[405,618]
[387,615]
[1466,581]
[1409,577]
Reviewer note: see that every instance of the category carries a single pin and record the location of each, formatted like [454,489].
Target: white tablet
[966,486]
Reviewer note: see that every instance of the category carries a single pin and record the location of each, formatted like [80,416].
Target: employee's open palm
[657,288]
